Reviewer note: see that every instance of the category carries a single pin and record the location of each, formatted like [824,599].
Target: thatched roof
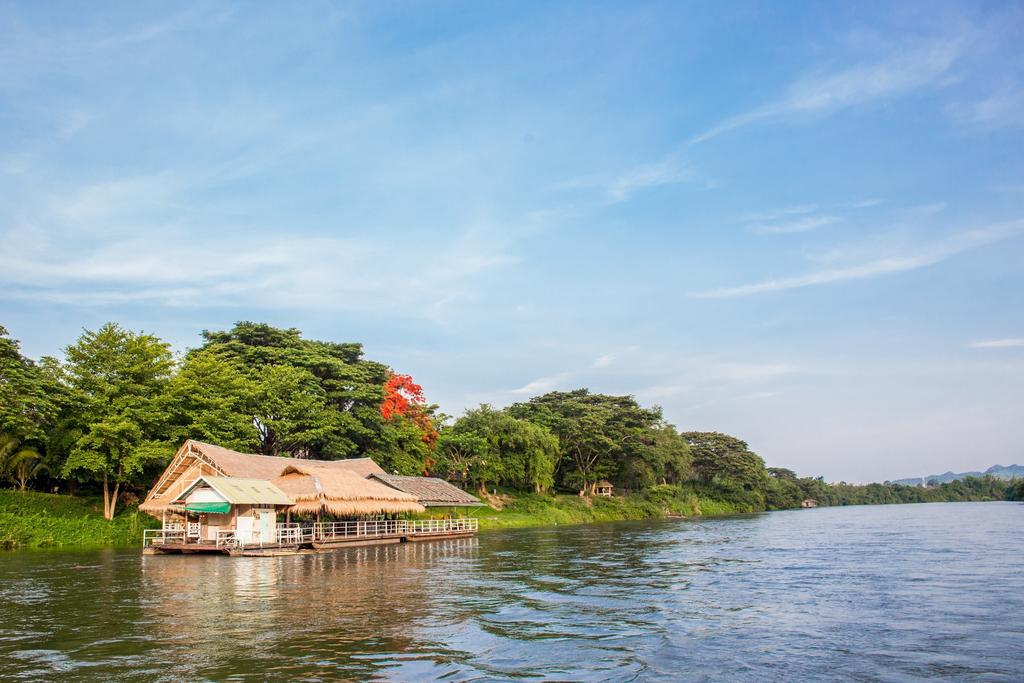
[430,491]
[237,464]
[344,482]
[341,492]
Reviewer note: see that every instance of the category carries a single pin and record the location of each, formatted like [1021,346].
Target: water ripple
[891,593]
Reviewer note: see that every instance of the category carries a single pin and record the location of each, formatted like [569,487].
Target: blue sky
[799,223]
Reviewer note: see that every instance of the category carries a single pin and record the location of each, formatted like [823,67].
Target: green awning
[219,508]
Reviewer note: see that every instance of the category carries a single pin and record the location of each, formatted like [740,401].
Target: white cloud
[1003,108]
[886,265]
[925,209]
[189,269]
[801,217]
[862,203]
[999,344]
[621,187]
[643,177]
[805,224]
[541,384]
[604,361]
[902,71]
[776,214]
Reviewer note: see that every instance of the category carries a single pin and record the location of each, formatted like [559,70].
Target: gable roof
[242,491]
[341,487]
[237,464]
[430,491]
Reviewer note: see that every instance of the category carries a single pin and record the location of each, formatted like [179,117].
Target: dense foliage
[110,413]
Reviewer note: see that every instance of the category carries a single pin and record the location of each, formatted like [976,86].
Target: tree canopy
[111,412]
[118,379]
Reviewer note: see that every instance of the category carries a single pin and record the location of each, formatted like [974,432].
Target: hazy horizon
[800,225]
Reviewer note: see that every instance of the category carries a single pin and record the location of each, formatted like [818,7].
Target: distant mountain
[998,471]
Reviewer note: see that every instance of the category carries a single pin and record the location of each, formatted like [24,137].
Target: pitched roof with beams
[195,459]
[430,491]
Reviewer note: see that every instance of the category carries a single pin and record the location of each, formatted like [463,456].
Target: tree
[782,473]
[596,433]
[212,400]
[461,453]
[117,378]
[725,458]
[292,417]
[26,404]
[404,398]
[19,462]
[352,387]
[488,446]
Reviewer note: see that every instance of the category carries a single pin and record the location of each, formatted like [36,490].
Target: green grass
[527,510]
[45,520]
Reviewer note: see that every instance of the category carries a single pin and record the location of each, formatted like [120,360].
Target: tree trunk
[113,499]
[109,501]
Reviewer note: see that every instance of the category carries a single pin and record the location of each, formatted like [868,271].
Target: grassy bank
[532,510]
[45,520]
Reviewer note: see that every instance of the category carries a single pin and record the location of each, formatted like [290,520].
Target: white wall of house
[204,494]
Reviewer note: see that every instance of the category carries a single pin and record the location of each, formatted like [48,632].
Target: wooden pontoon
[214,500]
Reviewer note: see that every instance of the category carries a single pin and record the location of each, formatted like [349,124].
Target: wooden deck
[294,539]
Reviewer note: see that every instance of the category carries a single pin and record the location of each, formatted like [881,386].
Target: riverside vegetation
[102,421]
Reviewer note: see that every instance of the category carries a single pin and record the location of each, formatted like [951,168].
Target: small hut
[603,488]
[809,503]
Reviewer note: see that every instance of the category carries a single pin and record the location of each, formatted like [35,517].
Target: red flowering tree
[403,398]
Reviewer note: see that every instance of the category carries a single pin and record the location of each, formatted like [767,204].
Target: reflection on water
[892,593]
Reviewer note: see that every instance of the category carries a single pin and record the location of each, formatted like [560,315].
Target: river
[890,593]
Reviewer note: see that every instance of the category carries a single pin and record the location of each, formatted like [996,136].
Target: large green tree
[596,433]
[213,400]
[117,379]
[341,390]
[723,458]
[488,446]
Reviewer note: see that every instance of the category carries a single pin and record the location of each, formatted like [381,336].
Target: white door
[244,528]
[268,524]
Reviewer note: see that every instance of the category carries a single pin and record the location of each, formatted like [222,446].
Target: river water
[889,593]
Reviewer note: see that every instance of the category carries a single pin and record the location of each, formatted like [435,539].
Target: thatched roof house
[340,487]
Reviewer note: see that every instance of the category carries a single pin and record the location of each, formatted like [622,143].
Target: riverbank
[45,520]
[527,510]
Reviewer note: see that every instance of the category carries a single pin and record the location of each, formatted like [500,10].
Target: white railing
[392,527]
[297,534]
[442,526]
[284,534]
[374,527]
[162,536]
